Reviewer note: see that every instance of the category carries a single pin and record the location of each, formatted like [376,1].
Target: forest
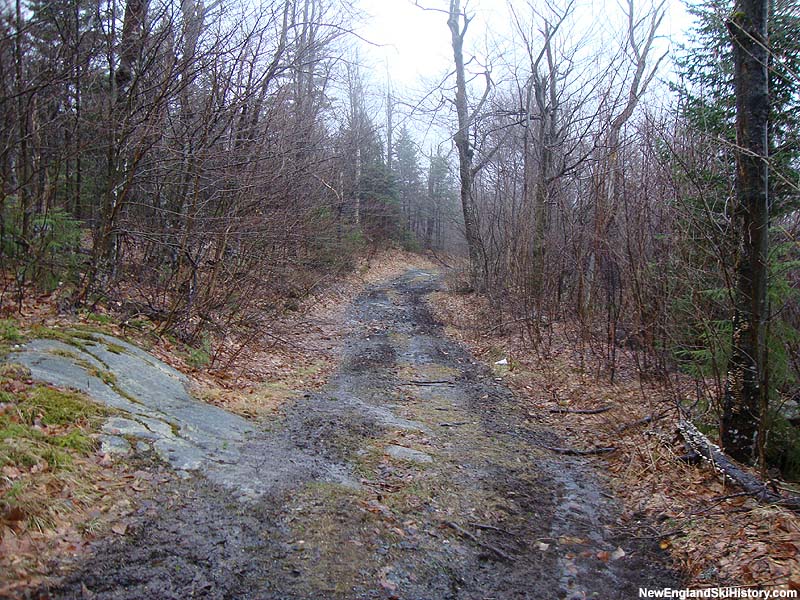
[209,166]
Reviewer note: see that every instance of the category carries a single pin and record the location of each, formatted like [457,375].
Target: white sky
[416,44]
[413,45]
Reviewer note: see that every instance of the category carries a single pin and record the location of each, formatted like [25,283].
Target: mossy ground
[328,525]
[43,431]
[408,371]
[56,491]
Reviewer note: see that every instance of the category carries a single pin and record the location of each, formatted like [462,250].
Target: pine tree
[409,182]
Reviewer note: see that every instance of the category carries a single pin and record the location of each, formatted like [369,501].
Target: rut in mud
[439,490]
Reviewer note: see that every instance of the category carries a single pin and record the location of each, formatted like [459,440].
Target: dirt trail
[442,491]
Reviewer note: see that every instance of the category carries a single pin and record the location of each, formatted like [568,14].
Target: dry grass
[714,535]
[297,352]
[56,492]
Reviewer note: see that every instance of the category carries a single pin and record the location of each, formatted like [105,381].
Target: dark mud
[490,515]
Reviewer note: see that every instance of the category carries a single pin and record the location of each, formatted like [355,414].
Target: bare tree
[458,21]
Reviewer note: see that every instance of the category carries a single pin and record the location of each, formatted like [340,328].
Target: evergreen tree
[409,181]
[708,104]
[722,226]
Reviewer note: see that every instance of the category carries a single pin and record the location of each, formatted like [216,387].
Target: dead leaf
[571,539]
[603,555]
[617,554]
[11,472]
[383,578]
[15,513]
[119,528]
[542,546]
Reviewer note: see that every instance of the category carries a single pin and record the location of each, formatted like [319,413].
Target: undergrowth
[44,431]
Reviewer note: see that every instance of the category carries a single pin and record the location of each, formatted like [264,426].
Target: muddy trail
[413,475]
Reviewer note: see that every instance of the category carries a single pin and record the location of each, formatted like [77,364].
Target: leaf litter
[716,536]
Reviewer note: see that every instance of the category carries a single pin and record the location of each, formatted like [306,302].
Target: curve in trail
[414,474]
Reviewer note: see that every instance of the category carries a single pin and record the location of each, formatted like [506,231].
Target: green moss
[103,375]
[137,323]
[42,436]
[15,491]
[115,348]
[56,458]
[60,335]
[88,334]
[99,318]
[24,444]
[80,337]
[11,430]
[58,407]
[75,440]
[9,332]
[65,354]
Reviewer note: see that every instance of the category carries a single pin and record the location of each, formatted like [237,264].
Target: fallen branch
[473,538]
[643,421]
[573,452]
[751,484]
[491,528]
[439,260]
[496,327]
[282,340]
[582,411]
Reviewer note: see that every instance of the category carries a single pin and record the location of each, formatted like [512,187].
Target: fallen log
[713,454]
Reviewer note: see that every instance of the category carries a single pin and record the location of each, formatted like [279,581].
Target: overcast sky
[413,45]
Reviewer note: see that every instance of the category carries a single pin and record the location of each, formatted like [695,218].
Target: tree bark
[745,395]
[131,43]
[698,443]
[465,151]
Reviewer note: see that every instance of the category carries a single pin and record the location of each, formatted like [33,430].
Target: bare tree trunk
[23,117]
[465,152]
[119,172]
[745,394]
[610,176]
[389,126]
